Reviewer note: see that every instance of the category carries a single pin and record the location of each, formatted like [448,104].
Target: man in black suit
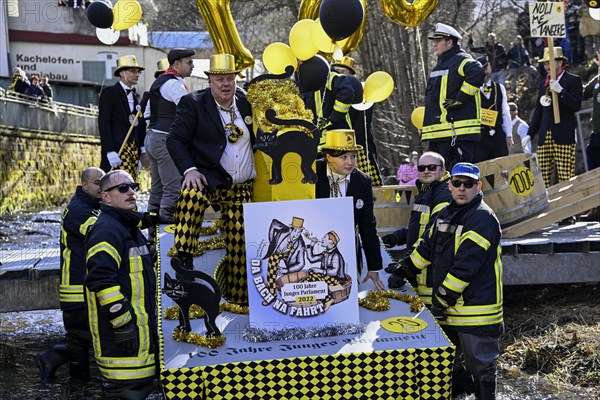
[556,141]
[116,113]
[338,177]
[210,142]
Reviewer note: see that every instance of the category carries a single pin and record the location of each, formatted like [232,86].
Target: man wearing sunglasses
[121,292]
[165,93]
[462,253]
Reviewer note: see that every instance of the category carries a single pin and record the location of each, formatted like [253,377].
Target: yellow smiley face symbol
[403,324]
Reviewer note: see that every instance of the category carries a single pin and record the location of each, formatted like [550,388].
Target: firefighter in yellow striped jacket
[462,253]
[79,215]
[121,293]
[451,123]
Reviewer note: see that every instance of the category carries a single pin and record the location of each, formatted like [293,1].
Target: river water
[24,334]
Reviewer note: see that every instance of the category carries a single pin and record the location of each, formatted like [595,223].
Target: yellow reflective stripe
[92,308]
[440,207]
[457,234]
[419,261]
[71,293]
[109,295]
[318,104]
[476,238]
[461,67]
[442,98]
[341,107]
[121,320]
[498,272]
[454,284]
[126,368]
[469,89]
[421,208]
[136,269]
[65,269]
[473,321]
[106,247]
[83,228]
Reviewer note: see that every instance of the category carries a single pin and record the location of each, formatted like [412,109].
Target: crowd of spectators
[33,86]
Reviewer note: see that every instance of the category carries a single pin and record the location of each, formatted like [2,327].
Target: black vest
[162,111]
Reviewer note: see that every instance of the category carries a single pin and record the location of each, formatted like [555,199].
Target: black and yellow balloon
[408,14]
[221,28]
[309,9]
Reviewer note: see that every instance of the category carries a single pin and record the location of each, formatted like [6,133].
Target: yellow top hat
[297,223]
[346,62]
[222,64]
[125,62]
[558,54]
[161,66]
[341,140]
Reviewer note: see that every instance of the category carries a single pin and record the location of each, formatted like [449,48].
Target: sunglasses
[468,184]
[430,167]
[124,187]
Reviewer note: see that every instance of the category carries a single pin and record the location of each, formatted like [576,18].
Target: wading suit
[463,254]
[121,299]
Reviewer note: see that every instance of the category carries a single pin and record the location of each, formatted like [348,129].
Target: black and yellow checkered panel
[398,374]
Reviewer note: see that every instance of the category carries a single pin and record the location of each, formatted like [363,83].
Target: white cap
[444,31]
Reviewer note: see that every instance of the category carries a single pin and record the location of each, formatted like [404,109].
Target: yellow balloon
[409,15]
[417,117]
[310,9]
[221,28]
[378,86]
[277,56]
[126,13]
[320,39]
[303,49]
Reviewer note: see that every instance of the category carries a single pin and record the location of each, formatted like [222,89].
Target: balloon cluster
[109,20]
[329,34]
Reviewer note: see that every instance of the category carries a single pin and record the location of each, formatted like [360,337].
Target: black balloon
[100,14]
[358,88]
[341,18]
[312,74]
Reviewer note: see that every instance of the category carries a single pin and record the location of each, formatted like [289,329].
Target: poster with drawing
[301,263]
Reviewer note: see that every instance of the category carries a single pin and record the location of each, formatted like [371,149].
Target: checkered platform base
[398,374]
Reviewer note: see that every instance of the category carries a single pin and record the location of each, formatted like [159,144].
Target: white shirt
[172,90]
[129,96]
[238,158]
[522,131]
[343,181]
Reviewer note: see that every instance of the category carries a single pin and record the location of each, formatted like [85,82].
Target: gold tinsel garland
[197,339]
[172,313]
[283,96]
[213,243]
[378,300]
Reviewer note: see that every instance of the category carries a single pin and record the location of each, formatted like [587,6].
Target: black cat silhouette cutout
[185,291]
[294,141]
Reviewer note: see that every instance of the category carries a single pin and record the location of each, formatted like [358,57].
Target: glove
[555,86]
[451,104]
[389,240]
[405,270]
[126,337]
[525,141]
[113,159]
[442,299]
[150,219]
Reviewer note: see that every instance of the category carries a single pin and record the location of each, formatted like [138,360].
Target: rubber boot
[462,382]
[486,387]
[49,361]
[79,368]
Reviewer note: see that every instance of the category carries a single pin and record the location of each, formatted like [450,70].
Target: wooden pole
[553,77]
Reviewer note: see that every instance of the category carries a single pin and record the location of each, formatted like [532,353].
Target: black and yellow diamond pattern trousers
[560,156]
[230,273]
[272,268]
[366,165]
[130,158]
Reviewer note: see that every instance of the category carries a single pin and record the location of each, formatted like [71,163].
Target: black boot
[79,368]
[486,387]
[49,361]
[462,382]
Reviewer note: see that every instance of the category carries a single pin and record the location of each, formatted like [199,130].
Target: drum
[513,186]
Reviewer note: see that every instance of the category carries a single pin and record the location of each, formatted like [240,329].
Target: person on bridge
[451,125]
[79,215]
[463,256]
[120,290]
[117,108]
[165,93]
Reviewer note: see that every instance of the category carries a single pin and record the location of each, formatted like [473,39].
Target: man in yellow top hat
[211,142]
[556,141]
[339,177]
[360,122]
[117,107]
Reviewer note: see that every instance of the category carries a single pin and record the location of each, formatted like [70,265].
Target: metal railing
[26,113]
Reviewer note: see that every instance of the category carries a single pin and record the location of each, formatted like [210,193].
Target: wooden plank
[574,183]
[566,206]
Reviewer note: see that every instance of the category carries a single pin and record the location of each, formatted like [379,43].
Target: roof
[189,40]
